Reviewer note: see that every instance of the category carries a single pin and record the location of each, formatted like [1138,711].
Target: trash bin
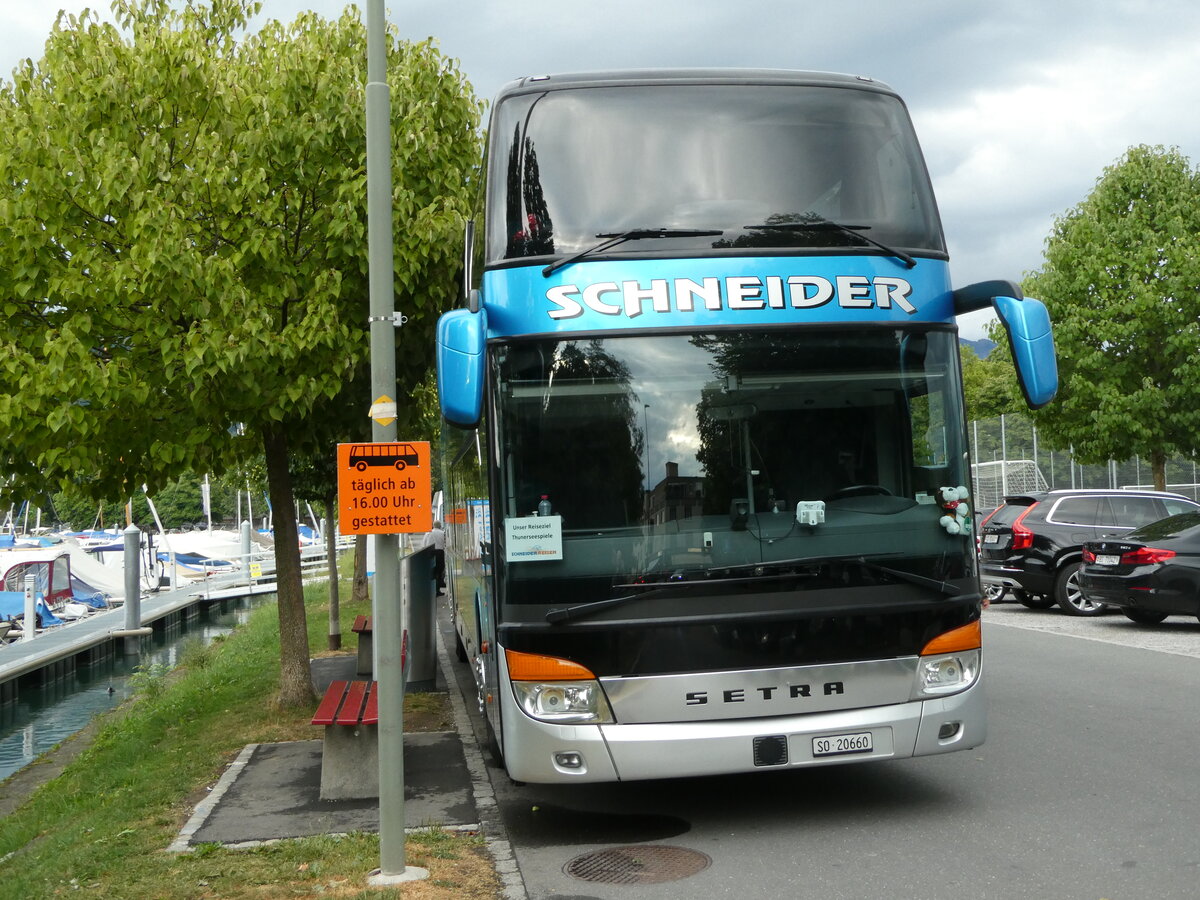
[419,619]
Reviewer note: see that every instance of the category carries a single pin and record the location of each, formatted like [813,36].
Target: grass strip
[103,824]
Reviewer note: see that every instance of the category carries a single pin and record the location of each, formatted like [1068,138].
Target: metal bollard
[29,626]
[245,542]
[133,589]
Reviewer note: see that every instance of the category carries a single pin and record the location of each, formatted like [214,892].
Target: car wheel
[1069,596]
[1144,616]
[995,592]
[1033,601]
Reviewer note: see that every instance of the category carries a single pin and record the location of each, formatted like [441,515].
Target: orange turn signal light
[535,667]
[967,637]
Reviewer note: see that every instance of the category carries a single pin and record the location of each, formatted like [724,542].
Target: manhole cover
[638,864]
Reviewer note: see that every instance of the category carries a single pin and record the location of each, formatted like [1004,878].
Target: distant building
[675,497]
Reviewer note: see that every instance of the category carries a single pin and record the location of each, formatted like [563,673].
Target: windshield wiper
[827,225]
[944,587]
[767,570]
[620,237]
[792,563]
[654,589]
[574,612]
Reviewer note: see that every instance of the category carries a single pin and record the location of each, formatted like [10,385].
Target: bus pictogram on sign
[384,488]
[397,456]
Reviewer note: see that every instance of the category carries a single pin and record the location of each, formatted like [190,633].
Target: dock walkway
[63,642]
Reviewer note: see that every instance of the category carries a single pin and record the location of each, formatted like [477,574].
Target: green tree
[989,385]
[1120,281]
[183,250]
[179,504]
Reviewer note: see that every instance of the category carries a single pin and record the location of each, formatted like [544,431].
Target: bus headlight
[559,690]
[946,673]
[564,702]
[950,662]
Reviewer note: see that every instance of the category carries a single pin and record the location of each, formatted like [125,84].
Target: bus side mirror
[461,337]
[1032,343]
[1029,334]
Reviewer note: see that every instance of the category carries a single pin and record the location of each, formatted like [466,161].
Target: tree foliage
[183,249]
[1120,280]
[180,505]
[989,385]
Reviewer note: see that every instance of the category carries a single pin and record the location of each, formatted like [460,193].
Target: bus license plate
[837,744]
[1108,560]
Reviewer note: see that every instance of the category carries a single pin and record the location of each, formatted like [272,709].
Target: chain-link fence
[1008,458]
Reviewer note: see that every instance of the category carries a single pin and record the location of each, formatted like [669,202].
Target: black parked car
[1151,573]
[1033,543]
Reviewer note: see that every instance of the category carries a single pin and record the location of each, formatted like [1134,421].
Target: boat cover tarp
[86,594]
[194,559]
[30,541]
[46,617]
[12,603]
[95,576]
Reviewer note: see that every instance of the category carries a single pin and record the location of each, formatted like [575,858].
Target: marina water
[46,715]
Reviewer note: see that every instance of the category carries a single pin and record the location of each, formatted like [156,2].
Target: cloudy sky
[1019,104]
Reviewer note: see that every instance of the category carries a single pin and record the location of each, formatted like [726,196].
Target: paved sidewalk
[272,791]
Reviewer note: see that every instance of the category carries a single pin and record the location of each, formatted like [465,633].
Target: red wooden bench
[349,703]
[363,628]
[349,711]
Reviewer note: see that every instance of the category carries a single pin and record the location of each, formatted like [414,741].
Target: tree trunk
[359,592]
[295,675]
[335,623]
[1158,466]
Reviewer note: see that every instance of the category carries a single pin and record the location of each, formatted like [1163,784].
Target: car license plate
[991,538]
[1108,560]
[838,744]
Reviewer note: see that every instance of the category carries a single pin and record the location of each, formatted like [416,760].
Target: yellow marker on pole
[383,410]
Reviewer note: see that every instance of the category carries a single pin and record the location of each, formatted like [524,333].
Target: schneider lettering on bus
[715,323]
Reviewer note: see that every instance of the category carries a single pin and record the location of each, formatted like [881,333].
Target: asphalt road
[1086,788]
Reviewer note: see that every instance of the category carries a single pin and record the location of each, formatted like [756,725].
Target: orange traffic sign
[384,488]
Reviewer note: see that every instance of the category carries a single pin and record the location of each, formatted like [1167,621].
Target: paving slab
[273,793]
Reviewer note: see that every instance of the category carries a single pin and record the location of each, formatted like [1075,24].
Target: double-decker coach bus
[706,462]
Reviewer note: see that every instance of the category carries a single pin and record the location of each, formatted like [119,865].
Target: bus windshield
[684,457]
[746,169]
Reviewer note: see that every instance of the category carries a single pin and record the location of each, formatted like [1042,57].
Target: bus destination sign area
[384,488]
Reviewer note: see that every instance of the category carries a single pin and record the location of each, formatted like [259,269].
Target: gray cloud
[1019,105]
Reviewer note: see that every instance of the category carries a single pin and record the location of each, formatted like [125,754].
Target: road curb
[493,831]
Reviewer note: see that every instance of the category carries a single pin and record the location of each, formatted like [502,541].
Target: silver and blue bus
[705,458]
